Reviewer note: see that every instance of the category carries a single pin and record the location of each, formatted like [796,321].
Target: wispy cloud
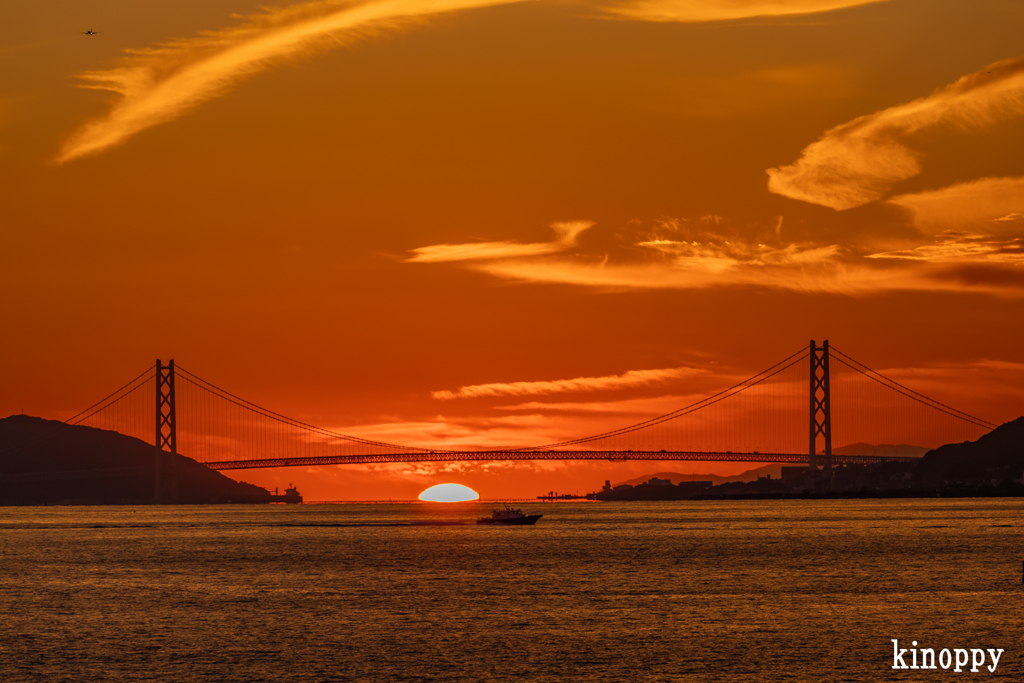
[161,84]
[692,11]
[967,206]
[673,256]
[855,276]
[658,405]
[968,262]
[630,379]
[717,253]
[566,235]
[440,253]
[836,277]
[701,255]
[647,406]
[963,249]
[859,161]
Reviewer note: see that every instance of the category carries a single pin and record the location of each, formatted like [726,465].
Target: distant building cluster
[885,479]
[654,488]
[991,466]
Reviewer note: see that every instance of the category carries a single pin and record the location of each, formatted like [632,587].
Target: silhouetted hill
[45,461]
[775,471]
[998,454]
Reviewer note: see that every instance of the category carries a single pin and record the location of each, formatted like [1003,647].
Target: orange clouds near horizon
[985,204]
[710,260]
[632,378]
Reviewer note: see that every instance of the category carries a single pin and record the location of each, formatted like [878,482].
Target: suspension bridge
[792,412]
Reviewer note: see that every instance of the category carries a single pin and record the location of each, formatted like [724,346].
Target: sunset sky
[418,220]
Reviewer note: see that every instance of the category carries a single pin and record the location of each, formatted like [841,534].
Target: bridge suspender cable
[910,393]
[241,402]
[89,412]
[76,419]
[693,407]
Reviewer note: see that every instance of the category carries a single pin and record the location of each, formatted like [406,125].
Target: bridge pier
[166,428]
[821,410]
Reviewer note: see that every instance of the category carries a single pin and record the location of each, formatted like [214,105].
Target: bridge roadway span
[452,456]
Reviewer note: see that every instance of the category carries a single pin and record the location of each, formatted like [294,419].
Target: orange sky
[347,211]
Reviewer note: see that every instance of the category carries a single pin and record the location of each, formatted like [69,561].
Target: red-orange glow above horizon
[473,223]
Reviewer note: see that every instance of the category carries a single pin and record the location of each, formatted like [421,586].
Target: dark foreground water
[738,591]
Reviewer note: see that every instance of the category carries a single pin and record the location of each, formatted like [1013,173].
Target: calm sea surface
[734,591]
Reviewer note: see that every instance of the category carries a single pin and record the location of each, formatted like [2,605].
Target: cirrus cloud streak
[161,84]
[566,235]
[694,11]
[963,249]
[627,380]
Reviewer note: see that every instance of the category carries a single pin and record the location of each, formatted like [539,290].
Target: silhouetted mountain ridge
[1001,449]
[46,461]
[775,471]
[995,459]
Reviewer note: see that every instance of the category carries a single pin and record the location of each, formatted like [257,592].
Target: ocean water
[691,591]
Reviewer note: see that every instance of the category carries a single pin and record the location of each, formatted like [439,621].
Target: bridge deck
[453,456]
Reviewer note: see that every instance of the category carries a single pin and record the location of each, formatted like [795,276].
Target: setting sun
[449,493]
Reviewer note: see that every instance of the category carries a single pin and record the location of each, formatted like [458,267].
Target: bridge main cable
[693,407]
[213,389]
[910,393]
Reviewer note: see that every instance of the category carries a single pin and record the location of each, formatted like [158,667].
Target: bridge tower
[821,409]
[166,423]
